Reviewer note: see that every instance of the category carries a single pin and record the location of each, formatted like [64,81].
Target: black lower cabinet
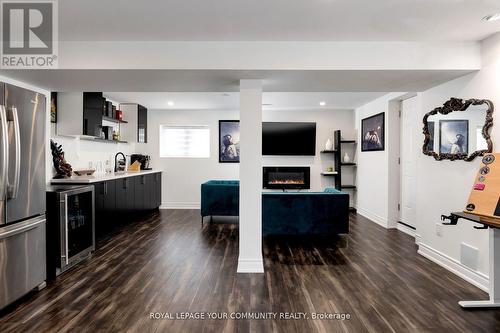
[140,190]
[123,198]
[110,195]
[157,190]
[99,197]
[125,195]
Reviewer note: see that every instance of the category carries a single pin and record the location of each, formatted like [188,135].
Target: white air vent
[469,256]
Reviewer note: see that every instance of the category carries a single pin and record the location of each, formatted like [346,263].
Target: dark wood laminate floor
[167,263]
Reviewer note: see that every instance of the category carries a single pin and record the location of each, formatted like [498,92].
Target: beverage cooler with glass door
[70,227]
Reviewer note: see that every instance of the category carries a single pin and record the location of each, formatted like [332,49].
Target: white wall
[455,179]
[326,122]
[442,186]
[375,168]
[79,152]
[182,177]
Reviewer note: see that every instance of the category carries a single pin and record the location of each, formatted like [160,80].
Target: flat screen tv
[294,139]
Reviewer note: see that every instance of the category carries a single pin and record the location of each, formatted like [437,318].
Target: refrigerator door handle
[4,159]
[13,188]
[21,227]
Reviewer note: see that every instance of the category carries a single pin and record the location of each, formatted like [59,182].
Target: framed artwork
[229,141]
[53,107]
[454,137]
[430,144]
[373,133]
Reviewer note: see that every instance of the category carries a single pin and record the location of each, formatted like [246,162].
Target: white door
[407,161]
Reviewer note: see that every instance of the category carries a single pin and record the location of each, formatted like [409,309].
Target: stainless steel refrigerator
[22,192]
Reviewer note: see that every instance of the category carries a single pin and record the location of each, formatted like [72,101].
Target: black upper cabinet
[93,106]
[142,124]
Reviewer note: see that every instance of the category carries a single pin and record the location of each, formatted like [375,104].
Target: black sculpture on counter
[62,167]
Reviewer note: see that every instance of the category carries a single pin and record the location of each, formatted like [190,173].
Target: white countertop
[101,178]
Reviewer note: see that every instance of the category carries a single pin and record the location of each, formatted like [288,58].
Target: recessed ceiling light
[266,104]
[225,94]
[322,103]
[492,17]
[170,103]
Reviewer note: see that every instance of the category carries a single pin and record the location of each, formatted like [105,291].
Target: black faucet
[120,165]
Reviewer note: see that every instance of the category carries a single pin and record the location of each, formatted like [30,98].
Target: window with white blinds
[184,141]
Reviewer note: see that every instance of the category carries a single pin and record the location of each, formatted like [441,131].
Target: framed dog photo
[373,133]
[229,141]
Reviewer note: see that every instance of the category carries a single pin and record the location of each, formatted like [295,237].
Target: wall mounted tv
[294,139]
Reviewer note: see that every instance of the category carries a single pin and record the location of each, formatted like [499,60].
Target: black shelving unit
[338,164]
[337,161]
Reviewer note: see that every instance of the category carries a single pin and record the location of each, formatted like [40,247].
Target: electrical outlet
[439,229]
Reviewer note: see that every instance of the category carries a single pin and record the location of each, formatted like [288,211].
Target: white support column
[250,256]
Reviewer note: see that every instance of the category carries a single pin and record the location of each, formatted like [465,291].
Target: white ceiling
[272,20]
[228,80]
[230,101]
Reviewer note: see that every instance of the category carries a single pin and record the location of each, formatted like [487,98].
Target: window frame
[164,127]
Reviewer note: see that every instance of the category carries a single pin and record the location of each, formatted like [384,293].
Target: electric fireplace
[283,178]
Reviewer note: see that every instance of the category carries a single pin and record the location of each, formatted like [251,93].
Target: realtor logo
[29,34]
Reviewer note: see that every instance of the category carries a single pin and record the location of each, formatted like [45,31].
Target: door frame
[393,138]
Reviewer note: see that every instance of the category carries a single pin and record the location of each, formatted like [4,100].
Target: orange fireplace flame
[286,182]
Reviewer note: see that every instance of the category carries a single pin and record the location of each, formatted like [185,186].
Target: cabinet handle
[125,183]
[143,180]
[105,188]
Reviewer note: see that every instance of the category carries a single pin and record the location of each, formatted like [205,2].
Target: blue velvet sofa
[220,198]
[283,213]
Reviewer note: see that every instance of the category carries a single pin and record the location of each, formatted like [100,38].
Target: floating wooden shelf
[347,141]
[113,120]
[328,151]
[335,173]
[87,138]
[350,163]
[348,186]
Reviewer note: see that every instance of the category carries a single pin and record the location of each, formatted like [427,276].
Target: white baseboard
[180,205]
[250,266]
[418,238]
[373,217]
[476,278]
[407,230]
